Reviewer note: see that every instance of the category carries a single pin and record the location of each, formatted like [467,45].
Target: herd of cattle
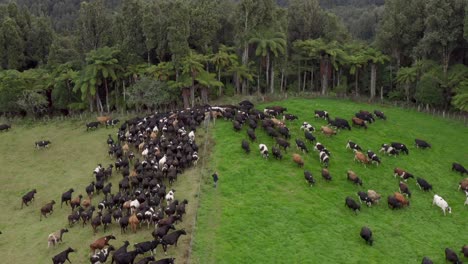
[166,146]
[274,122]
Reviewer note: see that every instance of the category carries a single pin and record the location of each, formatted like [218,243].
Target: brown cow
[361,157]
[463,185]
[404,189]
[401,199]
[402,173]
[359,122]
[103,119]
[153,135]
[352,176]
[326,174]
[133,221]
[100,243]
[374,196]
[298,160]
[125,148]
[327,131]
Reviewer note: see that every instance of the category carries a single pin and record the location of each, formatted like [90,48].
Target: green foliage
[94,26]
[33,102]
[149,93]
[429,91]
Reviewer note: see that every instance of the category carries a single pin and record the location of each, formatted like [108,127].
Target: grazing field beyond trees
[264,212]
[67,163]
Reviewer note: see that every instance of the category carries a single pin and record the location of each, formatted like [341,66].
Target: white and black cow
[42,144]
[321,114]
[373,157]
[353,146]
[324,158]
[389,150]
[307,126]
[400,147]
[263,150]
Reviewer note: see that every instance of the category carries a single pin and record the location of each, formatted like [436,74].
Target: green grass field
[68,163]
[264,212]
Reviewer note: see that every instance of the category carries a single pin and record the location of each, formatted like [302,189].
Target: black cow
[365,116]
[422,144]
[147,246]
[171,239]
[61,257]
[276,153]
[42,144]
[393,203]
[309,136]
[282,143]
[112,122]
[236,125]
[451,256]
[284,131]
[389,150]
[272,132]
[363,197]
[459,168]
[165,261]
[28,197]
[351,204]
[245,146]
[300,144]
[366,234]
[92,125]
[339,123]
[427,260]
[423,184]
[66,196]
[321,114]
[353,146]
[146,260]
[4,127]
[127,257]
[289,117]
[324,158]
[380,114]
[400,147]
[309,178]
[251,134]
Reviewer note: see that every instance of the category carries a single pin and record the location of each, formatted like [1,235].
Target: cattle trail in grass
[266,212]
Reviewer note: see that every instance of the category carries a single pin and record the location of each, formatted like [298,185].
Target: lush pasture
[68,163]
[264,212]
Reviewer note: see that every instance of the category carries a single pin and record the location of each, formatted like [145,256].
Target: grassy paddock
[264,212]
[68,163]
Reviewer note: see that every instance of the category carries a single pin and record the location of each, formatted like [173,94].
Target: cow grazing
[400,147]
[404,189]
[61,257]
[28,197]
[289,117]
[366,116]
[298,160]
[319,147]
[361,157]
[42,144]
[326,174]
[459,168]
[451,256]
[246,146]
[4,127]
[464,250]
[251,134]
[309,137]
[309,178]
[353,146]
[389,150]
[327,131]
[380,114]
[352,176]
[374,196]
[307,127]
[301,145]
[282,143]
[404,202]
[339,123]
[237,126]
[422,144]
[373,157]
[171,239]
[112,122]
[100,243]
[351,204]
[47,209]
[393,203]
[56,237]
[439,201]
[359,122]
[366,234]
[402,174]
[276,153]
[321,114]
[272,132]
[423,184]
[364,197]
[324,158]
[284,131]
[92,125]
[426,260]
[263,150]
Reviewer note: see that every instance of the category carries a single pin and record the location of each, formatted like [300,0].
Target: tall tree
[12,45]
[374,57]
[222,60]
[132,38]
[93,26]
[178,31]
[192,65]
[407,76]
[204,24]
[305,20]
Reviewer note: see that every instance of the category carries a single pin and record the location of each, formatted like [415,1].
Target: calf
[237,126]
[421,144]
[298,160]
[307,127]
[359,122]
[309,178]
[171,239]
[100,243]
[321,114]
[4,127]
[28,197]
[309,137]
[451,256]
[66,196]
[326,174]
[351,204]
[364,197]
[276,153]
[353,146]
[439,201]
[373,157]
[404,189]
[42,144]
[61,257]
[324,158]
[400,147]
[147,246]
[366,234]
[351,175]
[47,209]
[459,168]
[301,145]
[423,184]
[245,146]
[402,174]
[380,114]
[263,150]
[92,125]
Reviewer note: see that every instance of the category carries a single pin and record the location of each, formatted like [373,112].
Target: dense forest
[118,54]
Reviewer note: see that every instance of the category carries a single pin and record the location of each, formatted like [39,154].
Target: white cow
[466,202]
[441,203]
[191,135]
[170,197]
